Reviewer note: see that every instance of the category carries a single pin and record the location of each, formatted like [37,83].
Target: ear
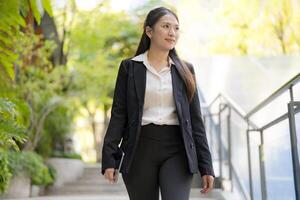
[148,31]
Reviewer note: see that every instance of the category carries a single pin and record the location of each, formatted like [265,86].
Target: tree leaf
[35,11]
[47,6]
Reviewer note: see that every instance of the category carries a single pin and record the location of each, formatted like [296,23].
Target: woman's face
[165,32]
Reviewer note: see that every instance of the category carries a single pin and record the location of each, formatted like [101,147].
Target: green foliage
[142,11]
[32,164]
[10,21]
[95,54]
[40,84]
[35,52]
[12,128]
[45,89]
[12,15]
[52,172]
[57,126]
[257,27]
[29,89]
[60,154]
[5,174]
[111,34]
[47,6]
[35,11]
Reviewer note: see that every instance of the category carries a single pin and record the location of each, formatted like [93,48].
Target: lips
[170,40]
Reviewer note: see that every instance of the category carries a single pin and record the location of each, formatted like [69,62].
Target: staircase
[93,186]
[92,183]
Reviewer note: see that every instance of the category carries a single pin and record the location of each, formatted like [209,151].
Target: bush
[5,174]
[52,172]
[58,125]
[32,164]
[66,155]
[13,120]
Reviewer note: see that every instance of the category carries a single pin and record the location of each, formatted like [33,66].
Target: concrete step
[92,185]
[88,189]
[91,172]
[107,194]
[90,197]
[109,190]
[216,194]
[91,177]
[92,182]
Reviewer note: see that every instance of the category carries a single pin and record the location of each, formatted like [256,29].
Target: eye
[166,26]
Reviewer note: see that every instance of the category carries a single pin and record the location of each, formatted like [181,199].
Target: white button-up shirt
[159,105]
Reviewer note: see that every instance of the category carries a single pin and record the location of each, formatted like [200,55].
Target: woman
[156,114]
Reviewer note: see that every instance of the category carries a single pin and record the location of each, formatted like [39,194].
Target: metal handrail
[278,92]
[237,109]
[290,114]
[240,113]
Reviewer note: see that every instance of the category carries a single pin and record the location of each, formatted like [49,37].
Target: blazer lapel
[139,77]
[177,83]
[176,80]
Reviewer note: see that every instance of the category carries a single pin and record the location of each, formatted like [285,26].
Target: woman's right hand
[109,174]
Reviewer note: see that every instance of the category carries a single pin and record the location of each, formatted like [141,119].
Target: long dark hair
[188,78]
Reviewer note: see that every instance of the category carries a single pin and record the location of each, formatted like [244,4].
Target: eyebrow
[169,23]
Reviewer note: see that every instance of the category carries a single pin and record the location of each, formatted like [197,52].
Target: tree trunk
[49,31]
[105,125]
[96,140]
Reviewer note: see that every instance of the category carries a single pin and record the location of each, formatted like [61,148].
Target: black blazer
[126,118]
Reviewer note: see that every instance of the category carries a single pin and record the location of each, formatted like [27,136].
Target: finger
[108,172]
[111,175]
[106,175]
[211,183]
[204,191]
[204,182]
[204,185]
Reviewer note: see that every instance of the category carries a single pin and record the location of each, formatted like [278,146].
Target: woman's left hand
[207,183]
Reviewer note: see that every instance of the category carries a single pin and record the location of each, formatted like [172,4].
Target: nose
[171,31]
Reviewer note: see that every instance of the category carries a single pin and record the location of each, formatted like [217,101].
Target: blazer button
[187,121]
[192,145]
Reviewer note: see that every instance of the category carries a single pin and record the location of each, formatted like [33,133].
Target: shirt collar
[143,58]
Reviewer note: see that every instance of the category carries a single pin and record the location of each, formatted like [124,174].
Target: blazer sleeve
[199,134]
[117,121]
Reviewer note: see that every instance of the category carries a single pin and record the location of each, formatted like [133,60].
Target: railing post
[229,147]
[262,168]
[220,144]
[211,133]
[294,148]
[249,163]
[291,93]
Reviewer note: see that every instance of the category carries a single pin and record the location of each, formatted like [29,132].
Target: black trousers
[159,163]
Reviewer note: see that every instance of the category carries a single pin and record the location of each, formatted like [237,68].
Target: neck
[157,55]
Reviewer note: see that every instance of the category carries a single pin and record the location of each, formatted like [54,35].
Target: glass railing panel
[296,90]
[278,162]
[213,130]
[239,154]
[237,190]
[271,111]
[297,119]
[212,139]
[254,138]
[224,138]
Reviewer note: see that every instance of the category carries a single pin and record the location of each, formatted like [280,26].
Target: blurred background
[58,65]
